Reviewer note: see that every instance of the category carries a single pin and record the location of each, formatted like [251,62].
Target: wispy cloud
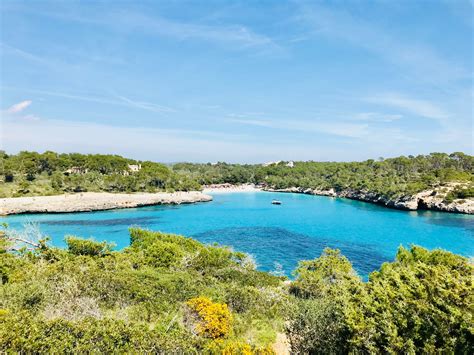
[146,105]
[116,100]
[145,142]
[343,129]
[417,107]
[376,117]
[16,108]
[236,36]
[422,61]
[5,48]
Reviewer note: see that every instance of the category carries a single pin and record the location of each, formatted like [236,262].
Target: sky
[237,81]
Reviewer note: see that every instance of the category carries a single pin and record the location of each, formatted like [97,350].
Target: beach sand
[95,201]
[229,188]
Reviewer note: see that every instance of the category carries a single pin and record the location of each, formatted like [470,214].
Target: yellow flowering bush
[233,347]
[215,319]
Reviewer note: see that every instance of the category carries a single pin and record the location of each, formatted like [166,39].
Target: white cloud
[236,36]
[376,117]
[418,107]
[119,100]
[146,105]
[16,108]
[144,142]
[343,129]
[190,145]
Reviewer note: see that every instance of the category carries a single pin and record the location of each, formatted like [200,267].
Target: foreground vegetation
[31,173]
[167,293]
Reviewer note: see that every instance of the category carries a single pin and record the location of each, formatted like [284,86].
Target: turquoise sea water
[298,229]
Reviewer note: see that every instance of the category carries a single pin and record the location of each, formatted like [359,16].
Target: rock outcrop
[95,201]
[425,200]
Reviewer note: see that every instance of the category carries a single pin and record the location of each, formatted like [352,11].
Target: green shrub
[90,247]
[318,326]
[163,254]
[459,193]
[326,275]
[422,302]
[242,298]
[20,333]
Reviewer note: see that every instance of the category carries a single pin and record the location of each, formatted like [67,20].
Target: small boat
[276,202]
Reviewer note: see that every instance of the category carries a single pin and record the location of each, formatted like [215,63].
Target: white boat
[276,202]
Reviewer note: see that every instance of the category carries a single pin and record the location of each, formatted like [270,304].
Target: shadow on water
[103,222]
[431,217]
[457,221]
[279,245]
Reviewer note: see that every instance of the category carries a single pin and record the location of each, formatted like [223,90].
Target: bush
[318,327]
[421,303]
[459,193]
[242,298]
[89,247]
[329,274]
[87,299]
[236,348]
[163,254]
[214,319]
[19,333]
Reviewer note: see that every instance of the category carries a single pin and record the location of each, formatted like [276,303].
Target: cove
[298,229]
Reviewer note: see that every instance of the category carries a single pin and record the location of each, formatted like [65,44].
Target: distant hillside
[450,176]
[388,179]
[50,173]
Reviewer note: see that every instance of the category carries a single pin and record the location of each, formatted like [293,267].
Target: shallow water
[298,229]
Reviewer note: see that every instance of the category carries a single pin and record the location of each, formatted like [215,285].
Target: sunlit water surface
[298,229]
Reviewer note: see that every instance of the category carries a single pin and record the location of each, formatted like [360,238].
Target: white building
[133,168]
[272,163]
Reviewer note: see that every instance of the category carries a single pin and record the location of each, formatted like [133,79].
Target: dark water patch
[139,221]
[278,245]
[370,206]
[457,221]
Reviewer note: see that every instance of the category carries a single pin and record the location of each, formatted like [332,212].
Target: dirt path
[281,345]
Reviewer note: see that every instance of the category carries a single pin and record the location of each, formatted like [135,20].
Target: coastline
[95,201]
[425,200]
[229,188]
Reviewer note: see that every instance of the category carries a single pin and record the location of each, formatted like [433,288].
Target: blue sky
[237,81]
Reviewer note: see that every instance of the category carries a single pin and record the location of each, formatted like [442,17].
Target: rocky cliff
[425,200]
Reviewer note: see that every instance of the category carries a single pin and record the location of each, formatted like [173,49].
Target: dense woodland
[49,173]
[390,178]
[31,173]
[167,293]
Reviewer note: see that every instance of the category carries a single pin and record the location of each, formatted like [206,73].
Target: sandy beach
[229,188]
[95,201]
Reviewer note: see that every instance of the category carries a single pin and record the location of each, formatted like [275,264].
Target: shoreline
[95,201]
[229,188]
[102,201]
[424,200]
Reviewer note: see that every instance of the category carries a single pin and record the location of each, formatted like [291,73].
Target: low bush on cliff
[461,192]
